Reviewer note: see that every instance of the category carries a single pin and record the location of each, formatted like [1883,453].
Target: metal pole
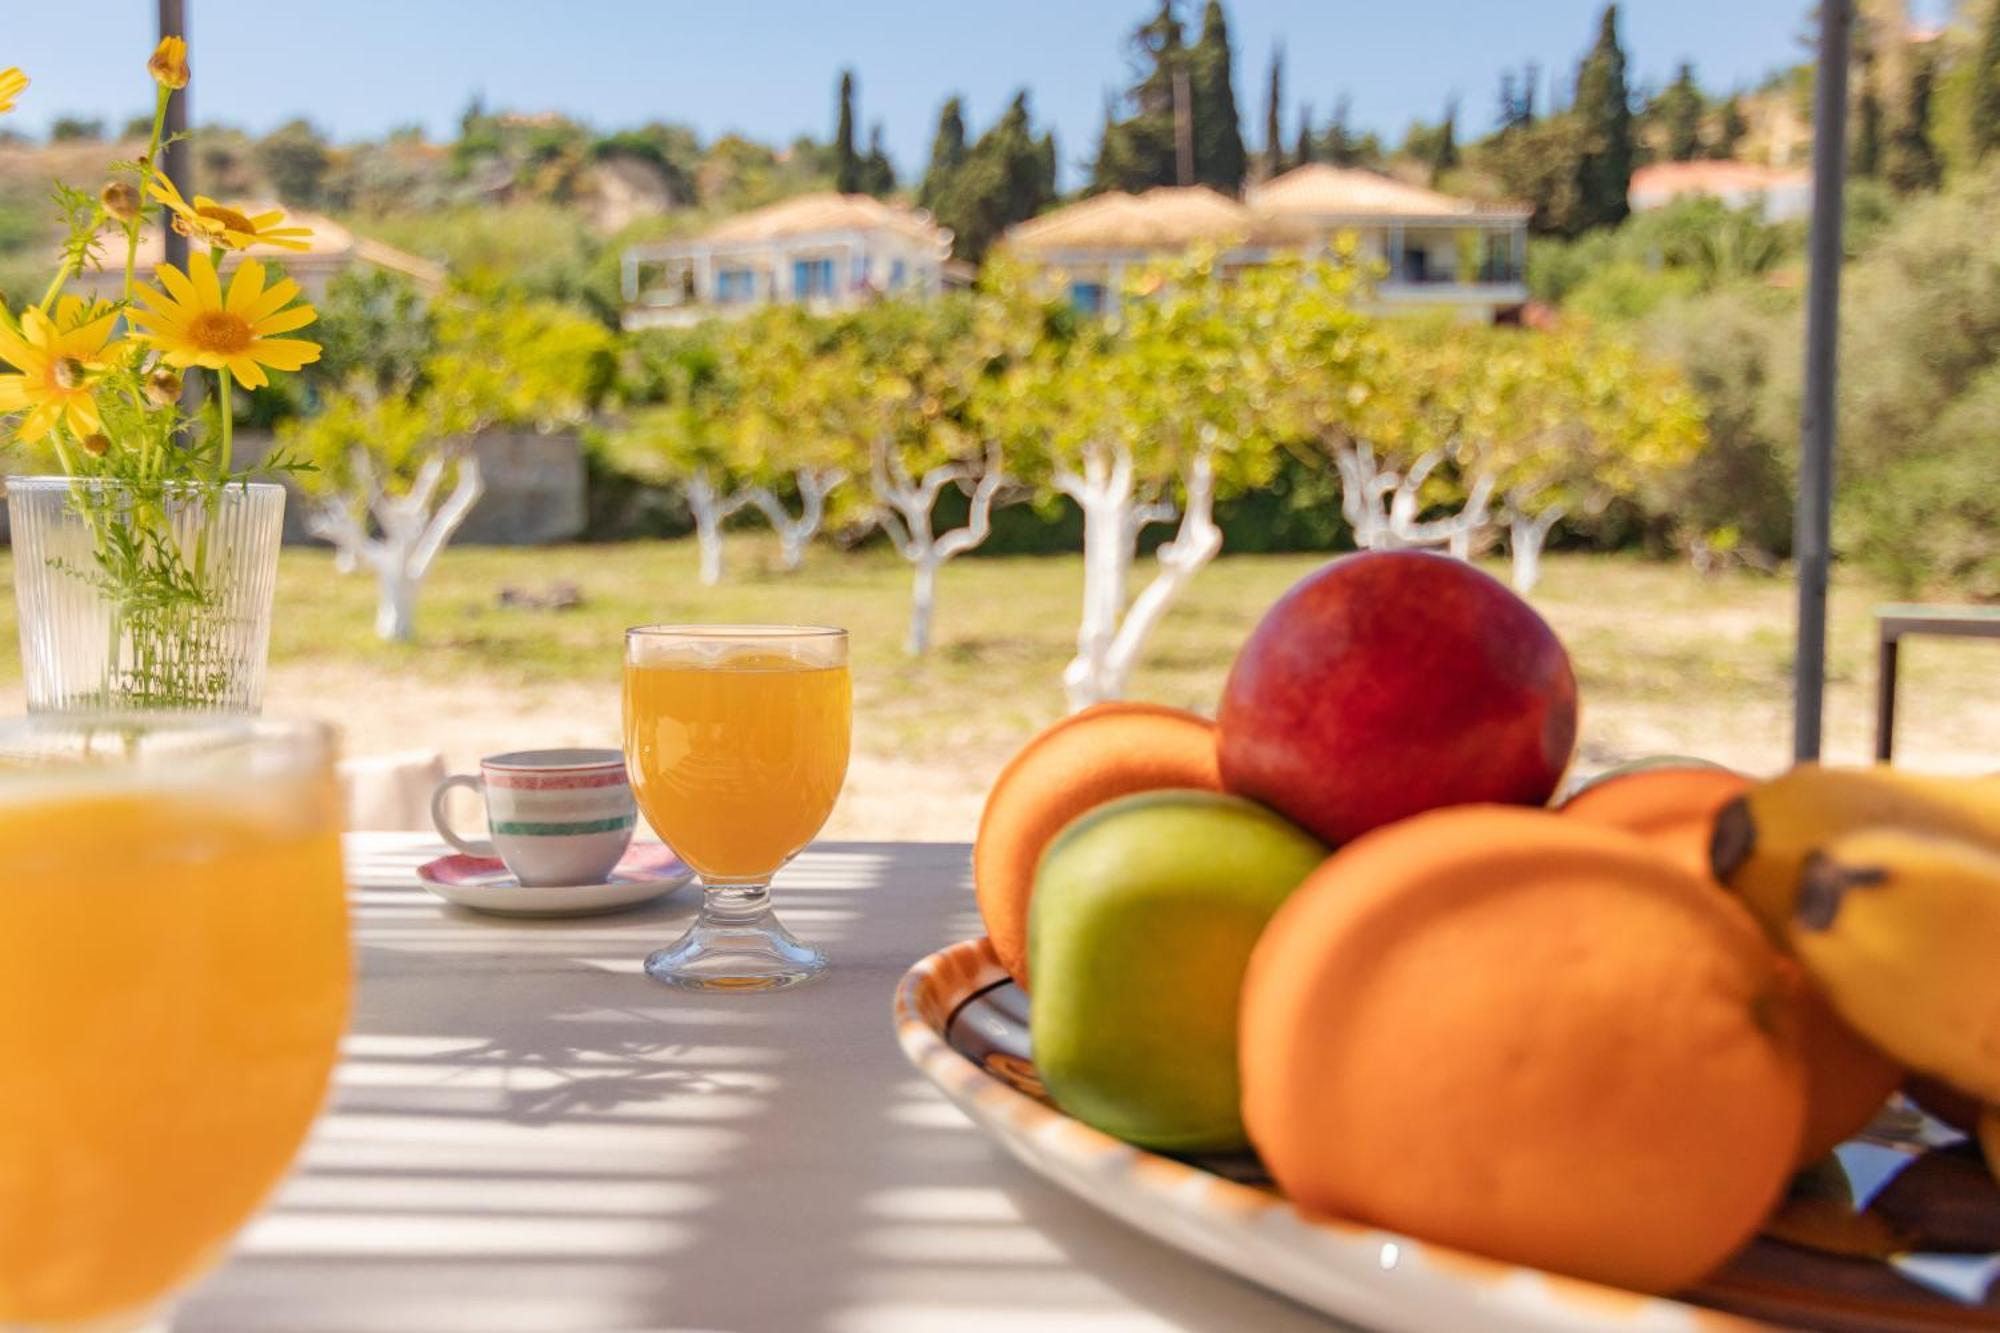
[1818,426]
[173,23]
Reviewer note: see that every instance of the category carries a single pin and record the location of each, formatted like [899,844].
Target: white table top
[528,1134]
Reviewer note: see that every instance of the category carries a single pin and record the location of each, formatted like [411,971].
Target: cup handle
[470,846]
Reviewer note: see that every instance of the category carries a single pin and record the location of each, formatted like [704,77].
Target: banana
[1763,837]
[1902,931]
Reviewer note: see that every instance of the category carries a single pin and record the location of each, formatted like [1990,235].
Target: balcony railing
[1492,272]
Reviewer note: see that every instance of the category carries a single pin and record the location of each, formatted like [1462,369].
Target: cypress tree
[1138,153]
[1531,78]
[1865,152]
[1444,154]
[1009,175]
[878,174]
[1510,102]
[1730,129]
[1679,110]
[1303,152]
[947,153]
[846,162]
[1274,116]
[1219,159]
[1338,144]
[1985,86]
[1603,108]
[1910,159]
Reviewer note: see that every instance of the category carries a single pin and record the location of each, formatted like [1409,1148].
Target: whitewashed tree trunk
[906,506]
[395,606]
[796,534]
[711,507]
[1526,534]
[1382,505]
[398,536]
[1197,542]
[1110,636]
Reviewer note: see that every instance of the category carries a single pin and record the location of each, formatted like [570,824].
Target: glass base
[736,944]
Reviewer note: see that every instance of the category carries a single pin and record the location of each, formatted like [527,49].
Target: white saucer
[484,884]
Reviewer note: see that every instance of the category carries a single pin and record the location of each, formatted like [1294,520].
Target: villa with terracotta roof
[1777,193]
[333,250]
[825,251]
[1432,250]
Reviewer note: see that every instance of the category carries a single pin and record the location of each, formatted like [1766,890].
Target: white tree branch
[465,493]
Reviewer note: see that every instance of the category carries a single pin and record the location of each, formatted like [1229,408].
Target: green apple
[1144,914]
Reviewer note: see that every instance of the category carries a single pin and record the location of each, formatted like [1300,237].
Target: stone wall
[535,491]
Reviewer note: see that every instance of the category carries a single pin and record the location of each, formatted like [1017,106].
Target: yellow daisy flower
[193,324]
[169,63]
[12,84]
[217,224]
[55,359]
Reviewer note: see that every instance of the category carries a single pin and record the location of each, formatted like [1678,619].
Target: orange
[1098,755]
[1529,1037]
[1673,807]
[1848,1077]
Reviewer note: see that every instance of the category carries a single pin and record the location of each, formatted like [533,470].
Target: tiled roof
[1671,178]
[1321,191]
[1292,208]
[1166,217]
[331,246]
[808,213]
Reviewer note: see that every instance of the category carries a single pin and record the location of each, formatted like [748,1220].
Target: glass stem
[737,904]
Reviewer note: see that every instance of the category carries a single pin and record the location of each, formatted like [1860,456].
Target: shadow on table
[527,1134]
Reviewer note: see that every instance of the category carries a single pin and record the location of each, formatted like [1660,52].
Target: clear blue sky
[359,68]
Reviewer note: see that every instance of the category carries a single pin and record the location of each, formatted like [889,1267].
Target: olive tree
[913,372]
[1446,433]
[1141,419]
[381,459]
[792,415]
[692,437]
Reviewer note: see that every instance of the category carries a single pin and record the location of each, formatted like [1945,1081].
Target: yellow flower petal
[274,298]
[285,353]
[247,372]
[12,84]
[14,351]
[207,286]
[90,338]
[13,392]
[286,320]
[179,286]
[37,423]
[244,287]
[81,413]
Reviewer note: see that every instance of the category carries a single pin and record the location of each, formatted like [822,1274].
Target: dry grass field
[1669,662]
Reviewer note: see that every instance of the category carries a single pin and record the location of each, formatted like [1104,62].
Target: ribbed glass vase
[153,597]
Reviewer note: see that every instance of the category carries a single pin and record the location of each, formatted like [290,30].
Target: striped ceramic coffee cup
[556,817]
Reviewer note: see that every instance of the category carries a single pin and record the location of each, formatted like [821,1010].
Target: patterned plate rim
[931,991]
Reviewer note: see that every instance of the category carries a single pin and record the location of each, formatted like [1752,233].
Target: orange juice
[173,983]
[736,761]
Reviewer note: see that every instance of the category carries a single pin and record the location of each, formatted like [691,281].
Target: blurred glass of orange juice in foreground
[174,979]
[737,739]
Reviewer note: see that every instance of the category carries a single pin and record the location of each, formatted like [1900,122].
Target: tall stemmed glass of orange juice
[173,983]
[736,737]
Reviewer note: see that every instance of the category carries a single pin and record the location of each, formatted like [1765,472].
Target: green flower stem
[223,379]
[63,275]
[137,220]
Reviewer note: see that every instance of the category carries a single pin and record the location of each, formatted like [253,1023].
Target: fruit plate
[962,1023]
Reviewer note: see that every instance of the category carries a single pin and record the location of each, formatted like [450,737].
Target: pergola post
[1818,426]
[173,23]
